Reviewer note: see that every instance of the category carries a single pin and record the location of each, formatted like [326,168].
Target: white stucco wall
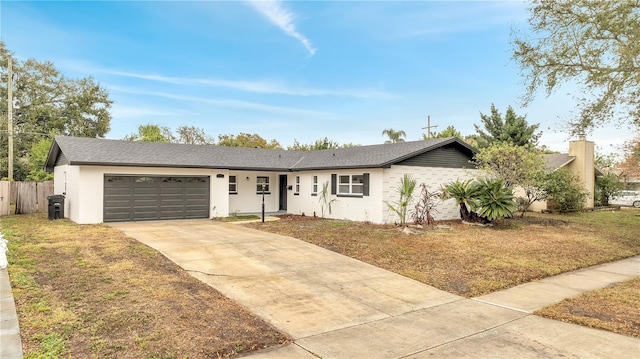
[365,208]
[66,181]
[85,188]
[248,199]
[434,177]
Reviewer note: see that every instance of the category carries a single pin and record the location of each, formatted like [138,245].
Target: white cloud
[229,103]
[279,15]
[254,86]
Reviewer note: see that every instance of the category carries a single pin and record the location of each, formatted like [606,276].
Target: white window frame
[297,191]
[259,183]
[350,187]
[314,186]
[233,181]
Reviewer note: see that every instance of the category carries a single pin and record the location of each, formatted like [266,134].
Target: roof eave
[52,156]
[158,165]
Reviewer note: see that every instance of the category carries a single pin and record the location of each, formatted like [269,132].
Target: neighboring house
[580,161]
[111,180]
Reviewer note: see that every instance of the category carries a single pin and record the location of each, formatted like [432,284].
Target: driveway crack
[209,274]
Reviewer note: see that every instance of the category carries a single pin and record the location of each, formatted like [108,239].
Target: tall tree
[193,135]
[36,159]
[247,140]
[48,104]
[321,144]
[512,129]
[589,42]
[450,131]
[630,166]
[516,166]
[394,136]
[151,133]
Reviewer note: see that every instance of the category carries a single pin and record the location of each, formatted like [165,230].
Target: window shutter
[334,183]
[365,187]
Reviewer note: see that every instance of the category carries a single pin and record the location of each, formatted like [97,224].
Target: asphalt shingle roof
[557,160]
[94,151]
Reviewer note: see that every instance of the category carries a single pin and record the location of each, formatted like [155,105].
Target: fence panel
[5,198]
[29,197]
[26,198]
[43,190]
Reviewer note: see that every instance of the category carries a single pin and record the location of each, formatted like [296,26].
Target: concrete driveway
[337,307]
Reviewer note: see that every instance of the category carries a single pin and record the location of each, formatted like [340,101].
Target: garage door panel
[143,197]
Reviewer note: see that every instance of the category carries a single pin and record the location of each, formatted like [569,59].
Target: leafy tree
[151,133]
[450,131]
[592,43]
[405,190]
[512,128]
[247,140]
[49,104]
[193,136]
[36,159]
[606,186]
[630,166]
[393,135]
[321,144]
[516,166]
[564,192]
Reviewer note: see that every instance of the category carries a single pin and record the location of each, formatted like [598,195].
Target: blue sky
[301,70]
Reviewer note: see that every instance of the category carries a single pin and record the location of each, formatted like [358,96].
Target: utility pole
[429,127]
[10,120]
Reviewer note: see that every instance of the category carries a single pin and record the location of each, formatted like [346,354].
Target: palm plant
[394,136]
[323,198]
[464,194]
[495,199]
[405,196]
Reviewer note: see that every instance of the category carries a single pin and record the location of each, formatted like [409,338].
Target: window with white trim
[233,184]
[315,185]
[351,184]
[260,181]
[297,185]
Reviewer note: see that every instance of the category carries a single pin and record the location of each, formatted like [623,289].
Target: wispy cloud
[221,102]
[276,12]
[265,87]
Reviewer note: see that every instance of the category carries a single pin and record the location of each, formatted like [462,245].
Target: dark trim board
[152,197]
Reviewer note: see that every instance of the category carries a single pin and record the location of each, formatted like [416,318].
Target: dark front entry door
[283,193]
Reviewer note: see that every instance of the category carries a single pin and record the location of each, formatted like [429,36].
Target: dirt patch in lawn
[615,308]
[90,291]
[470,260]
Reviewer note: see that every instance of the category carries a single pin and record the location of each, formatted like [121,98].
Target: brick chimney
[583,166]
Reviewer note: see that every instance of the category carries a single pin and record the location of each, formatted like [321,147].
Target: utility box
[56,206]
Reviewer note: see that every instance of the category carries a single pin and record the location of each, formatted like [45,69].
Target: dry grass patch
[470,260]
[90,291]
[615,308]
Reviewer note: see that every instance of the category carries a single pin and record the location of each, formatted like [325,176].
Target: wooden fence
[29,197]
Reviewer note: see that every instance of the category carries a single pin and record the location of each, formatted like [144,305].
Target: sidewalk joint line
[464,337]
[501,306]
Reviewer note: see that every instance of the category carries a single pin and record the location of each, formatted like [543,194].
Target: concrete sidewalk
[10,343]
[337,307]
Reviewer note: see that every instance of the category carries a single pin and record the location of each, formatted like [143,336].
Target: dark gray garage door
[144,198]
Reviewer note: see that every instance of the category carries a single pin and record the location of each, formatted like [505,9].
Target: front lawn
[89,291]
[615,308]
[470,260]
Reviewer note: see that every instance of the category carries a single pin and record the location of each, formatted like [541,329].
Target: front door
[283,193]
